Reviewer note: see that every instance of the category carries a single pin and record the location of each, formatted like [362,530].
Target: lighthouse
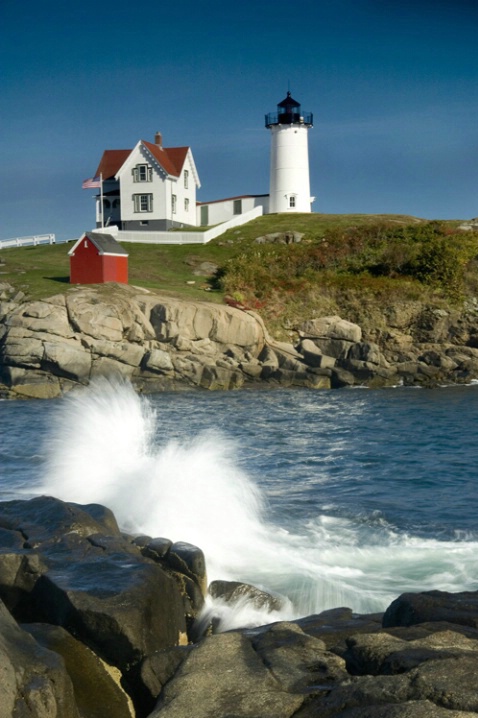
[289,182]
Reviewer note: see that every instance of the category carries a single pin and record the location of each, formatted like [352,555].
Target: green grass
[349,264]
[43,271]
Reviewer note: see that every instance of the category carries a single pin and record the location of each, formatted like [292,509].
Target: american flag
[92,183]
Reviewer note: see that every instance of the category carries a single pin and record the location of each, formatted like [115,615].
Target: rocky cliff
[161,343]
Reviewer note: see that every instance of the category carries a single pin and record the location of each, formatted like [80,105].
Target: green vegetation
[343,263]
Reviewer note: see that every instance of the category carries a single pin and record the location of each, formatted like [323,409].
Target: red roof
[171,159]
[111,162]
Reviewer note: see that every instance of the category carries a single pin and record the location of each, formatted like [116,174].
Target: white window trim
[139,204]
[148,173]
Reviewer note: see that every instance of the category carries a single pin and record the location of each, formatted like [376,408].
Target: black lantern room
[289,113]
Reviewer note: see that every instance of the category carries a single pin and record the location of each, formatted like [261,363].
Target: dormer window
[142,173]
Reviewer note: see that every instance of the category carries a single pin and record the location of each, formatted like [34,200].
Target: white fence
[182,237]
[32,241]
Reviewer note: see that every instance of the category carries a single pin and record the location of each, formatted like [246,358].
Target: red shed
[97,258]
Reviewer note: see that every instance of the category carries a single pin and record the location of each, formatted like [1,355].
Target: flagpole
[101,200]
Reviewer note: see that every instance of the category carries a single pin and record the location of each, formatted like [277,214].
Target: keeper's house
[149,188]
[98,258]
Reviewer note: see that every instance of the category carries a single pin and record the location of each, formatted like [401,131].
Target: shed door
[204,215]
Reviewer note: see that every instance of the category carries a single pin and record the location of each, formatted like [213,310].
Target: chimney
[158,140]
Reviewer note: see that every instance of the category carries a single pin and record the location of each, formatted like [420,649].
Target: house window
[142,173]
[237,209]
[143,202]
[173,203]
[186,205]
[186,179]
[292,201]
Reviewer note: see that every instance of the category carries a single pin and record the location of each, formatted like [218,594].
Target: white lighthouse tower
[290,184]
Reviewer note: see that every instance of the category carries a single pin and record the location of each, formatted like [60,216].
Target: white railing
[182,237]
[32,241]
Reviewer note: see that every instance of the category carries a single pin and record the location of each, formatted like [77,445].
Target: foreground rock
[98,624]
[48,347]
[69,566]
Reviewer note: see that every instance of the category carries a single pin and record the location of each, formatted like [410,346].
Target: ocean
[325,498]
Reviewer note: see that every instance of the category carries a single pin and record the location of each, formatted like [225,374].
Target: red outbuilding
[97,258]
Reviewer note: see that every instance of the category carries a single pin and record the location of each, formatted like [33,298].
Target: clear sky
[393,85]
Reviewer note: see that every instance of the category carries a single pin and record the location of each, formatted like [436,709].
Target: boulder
[68,360]
[233,591]
[298,661]
[411,608]
[96,685]
[159,361]
[313,356]
[69,565]
[332,327]
[49,316]
[224,676]
[367,352]
[199,320]
[34,680]
[382,653]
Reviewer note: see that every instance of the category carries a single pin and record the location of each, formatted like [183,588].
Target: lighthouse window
[142,173]
[143,202]
[237,206]
[291,201]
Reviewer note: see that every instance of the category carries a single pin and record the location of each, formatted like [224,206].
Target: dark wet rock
[412,608]
[233,591]
[157,548]
[70,566]
[189,560]
[337,624]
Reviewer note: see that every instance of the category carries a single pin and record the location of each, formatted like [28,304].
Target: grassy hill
[343,264]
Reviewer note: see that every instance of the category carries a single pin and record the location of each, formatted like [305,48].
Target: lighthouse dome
[289,113]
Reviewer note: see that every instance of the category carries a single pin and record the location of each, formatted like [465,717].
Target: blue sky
[393,85]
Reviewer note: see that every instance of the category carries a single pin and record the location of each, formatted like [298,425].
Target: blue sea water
[327,498]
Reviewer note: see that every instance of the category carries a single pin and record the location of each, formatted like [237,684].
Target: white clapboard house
[150,187]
